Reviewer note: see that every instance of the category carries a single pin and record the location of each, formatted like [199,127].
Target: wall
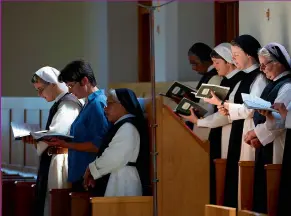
[181,24]
[252,20]
[36,34]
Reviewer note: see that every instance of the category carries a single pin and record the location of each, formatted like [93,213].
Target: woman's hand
[56,142]
[249,136]
[281,108]
[213,100]
[88,179]
[191,118]
[29,140]
[222,110]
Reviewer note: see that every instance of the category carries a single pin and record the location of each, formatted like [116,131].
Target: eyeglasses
[70,86]
[263,66]
[40,90]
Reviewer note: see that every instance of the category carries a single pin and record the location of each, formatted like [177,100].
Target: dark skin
[198,65]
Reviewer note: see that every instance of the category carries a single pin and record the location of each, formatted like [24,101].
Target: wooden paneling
[16,155]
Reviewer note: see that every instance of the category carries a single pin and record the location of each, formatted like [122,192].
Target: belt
[56,150]
[131,164]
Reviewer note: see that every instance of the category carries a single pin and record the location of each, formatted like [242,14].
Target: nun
[53,164]
[220,124]
[244,52]
[277,121]
[269,144]
[122,166]
[200,60]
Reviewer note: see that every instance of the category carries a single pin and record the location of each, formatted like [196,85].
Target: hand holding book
[214,100]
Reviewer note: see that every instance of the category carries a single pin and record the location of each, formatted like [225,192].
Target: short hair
[215,55]
[36,79]
[75,71]
[201,50]
[265,53]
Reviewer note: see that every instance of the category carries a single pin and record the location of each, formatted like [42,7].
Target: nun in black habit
[122,166]
[275,62]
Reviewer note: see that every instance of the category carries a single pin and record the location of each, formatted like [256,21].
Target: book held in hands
[177,91]
[205,91]
[186,105]
[256,103]
[21,130]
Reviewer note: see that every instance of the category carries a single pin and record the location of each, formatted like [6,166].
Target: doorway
[226,15]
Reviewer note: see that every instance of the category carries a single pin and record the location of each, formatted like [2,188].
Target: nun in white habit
[220,124]
[122,166]
[53,165]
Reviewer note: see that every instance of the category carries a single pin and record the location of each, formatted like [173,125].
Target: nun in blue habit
[122,166]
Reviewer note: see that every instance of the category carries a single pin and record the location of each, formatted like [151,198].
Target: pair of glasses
[263,66]
[70,86]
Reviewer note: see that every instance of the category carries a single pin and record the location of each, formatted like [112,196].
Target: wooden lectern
[182,166]
[183,172]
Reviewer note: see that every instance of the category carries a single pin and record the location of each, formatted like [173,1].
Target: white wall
[181,25]
[54,33]
[104,33]
[252,20]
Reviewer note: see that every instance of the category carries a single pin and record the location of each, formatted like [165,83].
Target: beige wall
[36,34]
[252,20]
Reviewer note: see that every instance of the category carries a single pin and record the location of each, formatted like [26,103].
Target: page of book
[49,135]
[20,130]
[185,105]
[205,91]
[254,102]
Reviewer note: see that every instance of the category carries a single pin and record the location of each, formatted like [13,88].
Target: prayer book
[205,91]
[185,105]
[20,130]
[41,136]
[256,103]
[177,91]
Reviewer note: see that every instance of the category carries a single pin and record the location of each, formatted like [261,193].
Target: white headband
[50,75]
[224,51]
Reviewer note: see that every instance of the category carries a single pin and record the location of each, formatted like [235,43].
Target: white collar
[285,73]
[232,73]
[210,68]
[124,117]
[60,96]
[251,68]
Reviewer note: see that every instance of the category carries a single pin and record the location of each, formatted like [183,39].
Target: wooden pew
[80,204]
[273,172]
[13,190]
[249,213]
[60,202]
[247,184]
[24,198]
[218,210]
[220,166]
[122,206]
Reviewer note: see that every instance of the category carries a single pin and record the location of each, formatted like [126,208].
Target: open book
[177,91]
[40,136]
[185,105]
[256,103]
[20,130]
[205,91]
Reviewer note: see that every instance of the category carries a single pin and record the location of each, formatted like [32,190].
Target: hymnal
[205,91]
[256,103]
[177,91]
[185,105]
[20,130]
[42,136]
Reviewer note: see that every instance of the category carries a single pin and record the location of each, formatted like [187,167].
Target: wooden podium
[182,165]
[183,174]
